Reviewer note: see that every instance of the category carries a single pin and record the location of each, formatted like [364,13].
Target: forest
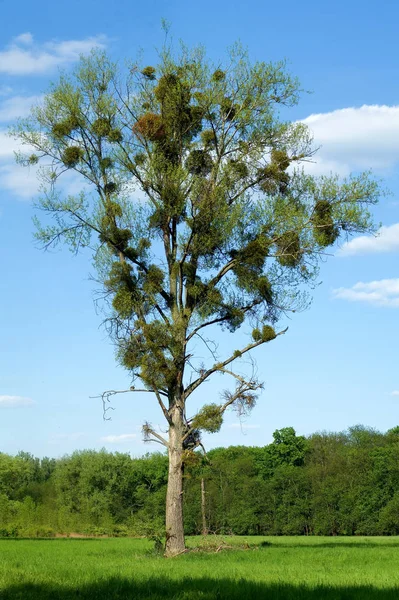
[325,484]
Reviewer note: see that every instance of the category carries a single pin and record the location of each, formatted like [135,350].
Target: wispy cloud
[386,240]
[23,182]
[119,439]
[7,146]
[395,393]
[15,401]
[383,292]
[17,106]
[355,138]
[25,57]
[5,90]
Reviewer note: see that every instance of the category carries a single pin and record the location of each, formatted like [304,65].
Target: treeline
[325,484]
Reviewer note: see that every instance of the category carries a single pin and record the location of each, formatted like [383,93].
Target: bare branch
[105,397]
[219,366]
[243,309]
[152,436]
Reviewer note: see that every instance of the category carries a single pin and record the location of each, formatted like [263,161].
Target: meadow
[275,568]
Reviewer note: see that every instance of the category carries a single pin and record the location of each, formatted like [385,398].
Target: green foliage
[268,333]
[101,127]
[208,137]
[64,128]
[199,162]
[326,484]
[106,163]
[289,249]
[256,335]
[71,156]
[33,159]
[149,73]
[325,230]
[111,188]
[219,75]
[209,418]
[115,136]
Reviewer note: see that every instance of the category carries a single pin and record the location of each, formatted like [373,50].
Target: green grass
[288,568]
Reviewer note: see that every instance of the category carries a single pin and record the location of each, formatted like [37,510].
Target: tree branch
[148,432]
[105,397]
[219,366]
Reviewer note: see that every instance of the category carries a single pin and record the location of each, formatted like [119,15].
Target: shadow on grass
[333,545]
[193,589]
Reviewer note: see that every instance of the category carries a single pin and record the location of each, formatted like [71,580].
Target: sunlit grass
[285,567]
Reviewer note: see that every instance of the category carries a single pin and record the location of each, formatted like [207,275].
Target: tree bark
[203,507]
[174,496]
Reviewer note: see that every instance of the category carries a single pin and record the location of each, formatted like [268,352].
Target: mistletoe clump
[153,280]
[71,156]
[106,163]
[228,109]
[209,418]
[110,188]
[199,162]
[325,231]
[123,284]
[101,127]
[208,137]
[249,262]
[149,73]
[116,238]
[64,128]
[289,249]
[150,127]
[266,334]
[219,75]
[239,168]
[115,135]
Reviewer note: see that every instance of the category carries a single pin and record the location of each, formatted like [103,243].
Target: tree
[226,228]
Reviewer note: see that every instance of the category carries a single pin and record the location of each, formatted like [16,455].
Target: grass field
[286,568]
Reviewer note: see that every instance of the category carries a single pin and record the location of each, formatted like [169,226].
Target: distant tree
[286,449]
[199,214]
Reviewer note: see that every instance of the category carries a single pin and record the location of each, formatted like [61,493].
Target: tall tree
[201,213]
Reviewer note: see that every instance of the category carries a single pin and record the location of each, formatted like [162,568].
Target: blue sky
[338,363]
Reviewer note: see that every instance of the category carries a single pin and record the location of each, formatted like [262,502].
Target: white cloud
[20,181]
[5,90]
[7,146]
[386,240]
[384,292]
[395,393]
[17,106]
[119,439]
[24,57]
[23,182]
[15,401]
[355,138]
[24,38]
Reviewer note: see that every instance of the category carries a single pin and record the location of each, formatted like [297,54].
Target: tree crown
[201,213]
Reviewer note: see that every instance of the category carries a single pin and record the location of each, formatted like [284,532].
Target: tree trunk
[174,495]
[203,507]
